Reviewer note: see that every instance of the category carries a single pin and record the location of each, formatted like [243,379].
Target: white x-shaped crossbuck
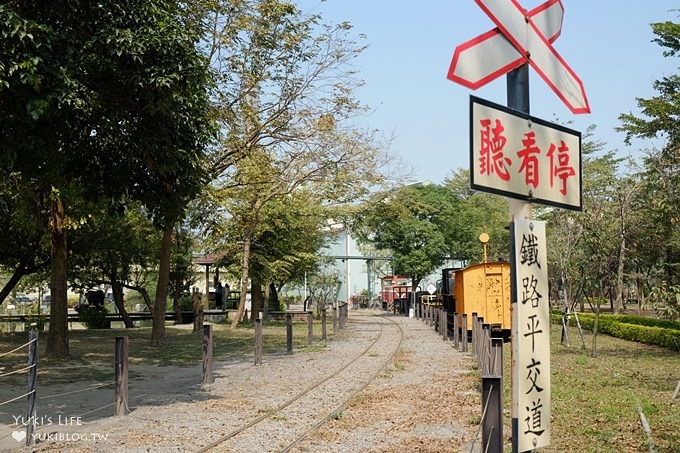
[520,37]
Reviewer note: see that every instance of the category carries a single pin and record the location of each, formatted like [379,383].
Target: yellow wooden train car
[484,289]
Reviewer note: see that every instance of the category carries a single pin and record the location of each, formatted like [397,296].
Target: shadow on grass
[84,385]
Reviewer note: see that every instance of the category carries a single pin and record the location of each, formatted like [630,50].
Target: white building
[356,272]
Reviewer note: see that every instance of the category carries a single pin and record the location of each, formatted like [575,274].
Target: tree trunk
[244,283]
[142,292]
[618,305]
[175,298]
[117,291]
[267,299]
[415,281]
[256,296]
[640,296]
[274,302]
[57,337]
[596,324]
[158,326]
[565,313]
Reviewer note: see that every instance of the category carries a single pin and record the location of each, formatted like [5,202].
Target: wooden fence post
[485,349]
[207,354]
[455,330]
[323,324]
[32,382]
[121,376]
[474,333]
[310,327]
[496,357]
[335,320]
[258,341]
[492,413]
[464,338]
[289,333]
[444,324]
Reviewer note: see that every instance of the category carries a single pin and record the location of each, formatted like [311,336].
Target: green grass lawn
[93,351]
[595,400]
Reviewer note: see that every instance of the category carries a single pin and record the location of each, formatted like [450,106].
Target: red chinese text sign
[523,157]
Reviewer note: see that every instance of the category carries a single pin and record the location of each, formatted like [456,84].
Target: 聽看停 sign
[519,156]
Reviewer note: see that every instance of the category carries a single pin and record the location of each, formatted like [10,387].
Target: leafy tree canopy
[412,223]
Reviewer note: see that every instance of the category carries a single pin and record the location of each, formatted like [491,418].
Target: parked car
[23,299]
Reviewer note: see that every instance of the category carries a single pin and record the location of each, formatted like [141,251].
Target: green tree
[113,249]
[603,234]
[290,243]
[23,243]
[285,103]
[182,276]
[478,212]
[411,222]
[660,118]
[102,100]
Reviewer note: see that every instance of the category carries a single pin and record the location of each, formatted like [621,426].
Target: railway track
[324,399]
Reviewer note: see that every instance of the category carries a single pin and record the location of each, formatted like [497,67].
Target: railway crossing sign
[530,334]
[527,159]
[520,37]
[523,157]
[490,55]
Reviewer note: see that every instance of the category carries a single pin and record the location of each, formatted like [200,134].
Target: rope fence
[20,370]
[31,373]
[17,349]
[185,345]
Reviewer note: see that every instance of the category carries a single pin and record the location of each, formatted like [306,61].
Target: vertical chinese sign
[531,336]
[523,157]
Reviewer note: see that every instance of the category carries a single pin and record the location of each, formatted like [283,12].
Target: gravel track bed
[354,369]
[426,400]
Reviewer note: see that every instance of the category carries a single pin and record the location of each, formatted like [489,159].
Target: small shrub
[94,318]
[649,322]
[185,303]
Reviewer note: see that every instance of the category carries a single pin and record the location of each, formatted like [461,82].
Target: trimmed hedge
[649,322]
[632,328]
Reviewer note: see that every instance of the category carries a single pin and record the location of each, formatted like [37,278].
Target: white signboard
[523,157]
[530,336]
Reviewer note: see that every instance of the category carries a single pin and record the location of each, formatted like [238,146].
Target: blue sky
[606,42]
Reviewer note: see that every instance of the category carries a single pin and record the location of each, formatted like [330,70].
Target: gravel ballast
[419,395]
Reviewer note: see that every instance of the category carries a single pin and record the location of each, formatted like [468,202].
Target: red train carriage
[395,291]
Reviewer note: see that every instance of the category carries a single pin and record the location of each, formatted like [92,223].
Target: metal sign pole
[518,99]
